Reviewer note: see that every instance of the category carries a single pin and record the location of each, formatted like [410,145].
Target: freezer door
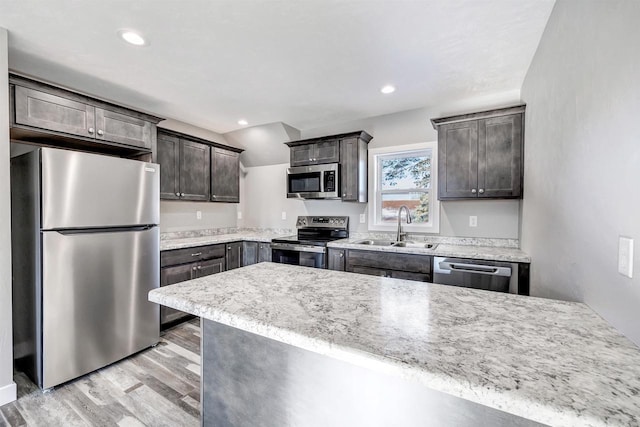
[89,190]
[95,309]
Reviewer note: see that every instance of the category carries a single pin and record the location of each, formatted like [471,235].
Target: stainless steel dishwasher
[478,274]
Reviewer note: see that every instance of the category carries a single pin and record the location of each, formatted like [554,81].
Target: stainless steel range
[309,246]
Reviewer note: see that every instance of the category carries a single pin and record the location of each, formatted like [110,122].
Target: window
[403,175]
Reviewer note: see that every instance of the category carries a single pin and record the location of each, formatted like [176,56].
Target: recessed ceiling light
[132,37]
[387,89]
[243,122]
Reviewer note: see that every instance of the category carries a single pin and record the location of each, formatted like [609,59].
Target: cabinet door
[225,177]
[169,276]
[302,155]
[336,259]
[169,160]
[123,129]
[458,160]
[234,255]
[249,253]
[52,112]
[195,170]
[500,156]
[370,271]
[211,266]
[264,252]
[326,152]
[349,169]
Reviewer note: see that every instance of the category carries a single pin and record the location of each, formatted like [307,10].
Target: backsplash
[186,234]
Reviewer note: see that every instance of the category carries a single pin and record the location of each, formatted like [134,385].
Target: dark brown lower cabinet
[255,252]
[181,265]
[264,252]
[234,255]
[335,259]
[385,264]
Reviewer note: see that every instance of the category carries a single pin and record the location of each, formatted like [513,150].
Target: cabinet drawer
[389,261]
[183,256]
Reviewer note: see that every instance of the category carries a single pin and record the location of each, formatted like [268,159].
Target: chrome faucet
[400,236]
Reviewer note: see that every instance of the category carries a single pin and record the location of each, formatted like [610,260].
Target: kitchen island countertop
[549,361]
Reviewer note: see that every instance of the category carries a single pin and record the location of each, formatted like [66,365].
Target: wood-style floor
[157,387]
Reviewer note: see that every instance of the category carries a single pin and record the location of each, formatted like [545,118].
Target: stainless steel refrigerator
[85,254]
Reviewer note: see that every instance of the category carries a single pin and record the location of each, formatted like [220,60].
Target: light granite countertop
[446,250]
[190,242]
[550,361]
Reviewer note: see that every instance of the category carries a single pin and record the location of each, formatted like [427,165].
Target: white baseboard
[8,393]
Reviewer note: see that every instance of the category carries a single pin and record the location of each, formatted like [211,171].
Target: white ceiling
[305,63]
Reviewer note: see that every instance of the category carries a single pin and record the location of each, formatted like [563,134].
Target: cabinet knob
[178,194]
[199,267]
[214,196]
[181,194]
[91,130]
[473,190]
[481,190]
[311,160]
[229,248]
[193,268]
[341,255]
[344,194]
[100,132]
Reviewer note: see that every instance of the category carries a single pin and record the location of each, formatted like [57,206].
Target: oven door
[307,256]
[313,182]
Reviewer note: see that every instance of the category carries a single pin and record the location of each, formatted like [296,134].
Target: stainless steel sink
[403,244]
[375,242]
[410,244]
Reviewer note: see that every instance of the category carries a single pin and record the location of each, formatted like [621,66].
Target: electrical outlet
[625,256]
[284,215]
[239,214]
[473,221]
[198,214]
[363,218]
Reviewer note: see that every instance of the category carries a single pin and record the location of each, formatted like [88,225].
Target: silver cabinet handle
[178,194]
[91,130]
[341,255]
[193,268]
[100,132]
[229,248]
[473,190]
[197,254]
[199,267]
[481,190]
[181,194]
[214,196]
[344,194]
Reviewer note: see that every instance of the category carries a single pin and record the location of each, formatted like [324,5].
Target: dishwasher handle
[475,268]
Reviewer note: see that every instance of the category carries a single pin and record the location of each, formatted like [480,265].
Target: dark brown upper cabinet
[315,153]
[195,169]
[348,149]
[225,176]
[480,155]
[40,111]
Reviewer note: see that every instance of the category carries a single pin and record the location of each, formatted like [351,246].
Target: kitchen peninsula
[289,345]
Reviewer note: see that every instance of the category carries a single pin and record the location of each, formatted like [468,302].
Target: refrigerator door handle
[69,232]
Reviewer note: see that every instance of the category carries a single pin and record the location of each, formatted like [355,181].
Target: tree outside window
[404,175]
[404,179]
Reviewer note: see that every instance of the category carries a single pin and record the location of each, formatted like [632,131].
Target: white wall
[582,158]
[263,195]
[179,216]
[7,386]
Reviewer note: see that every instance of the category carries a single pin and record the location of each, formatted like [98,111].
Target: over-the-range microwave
[314,182]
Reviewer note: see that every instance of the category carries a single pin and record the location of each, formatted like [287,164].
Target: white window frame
[375,195]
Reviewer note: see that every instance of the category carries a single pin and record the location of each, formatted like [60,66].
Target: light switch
[625,256]
[473,221]
[198,214]
[284,215]
[239,214]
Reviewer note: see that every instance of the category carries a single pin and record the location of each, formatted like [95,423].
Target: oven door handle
[297,248]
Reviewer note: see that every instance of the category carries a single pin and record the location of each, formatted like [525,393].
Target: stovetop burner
[318,230]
